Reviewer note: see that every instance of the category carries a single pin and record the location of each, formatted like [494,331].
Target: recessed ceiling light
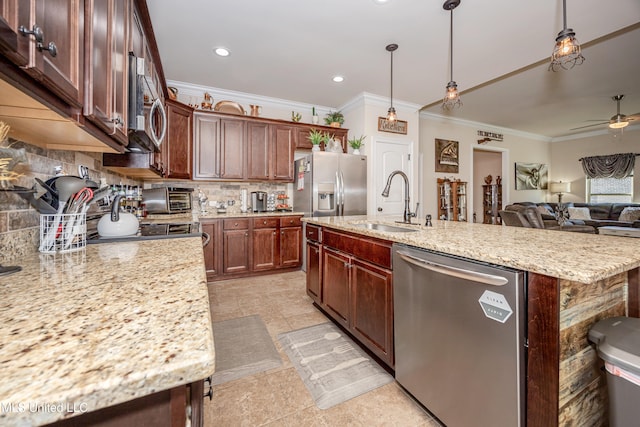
[380,1]
[222,51]
[338,79]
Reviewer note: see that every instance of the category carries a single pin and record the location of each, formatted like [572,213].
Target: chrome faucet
[385,193]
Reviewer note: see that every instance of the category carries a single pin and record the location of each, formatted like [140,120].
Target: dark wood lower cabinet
[265,246]
[372,308]
[236,250]
[314,271]
[250,246]
[335,285]
[176,407]
[350,278]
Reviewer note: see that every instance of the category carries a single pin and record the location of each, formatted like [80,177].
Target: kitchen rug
[243,347]
[332,366]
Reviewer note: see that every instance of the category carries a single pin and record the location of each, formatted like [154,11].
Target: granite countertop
[101,326]
[581,257]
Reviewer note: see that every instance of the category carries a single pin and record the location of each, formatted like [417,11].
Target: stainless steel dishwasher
[460,337]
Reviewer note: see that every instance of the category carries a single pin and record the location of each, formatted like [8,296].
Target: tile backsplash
[19,222]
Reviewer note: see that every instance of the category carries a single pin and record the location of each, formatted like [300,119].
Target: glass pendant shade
[391,115]
[451,97]
[566,52]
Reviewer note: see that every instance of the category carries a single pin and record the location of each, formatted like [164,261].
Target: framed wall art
[531,176]
[447,157]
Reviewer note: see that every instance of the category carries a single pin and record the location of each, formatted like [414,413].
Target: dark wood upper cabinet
[62,25]
[13,45]
[106,54]
[282,149]
[177,147]
[232,149]
[258,151]
[45,38]
[206,146]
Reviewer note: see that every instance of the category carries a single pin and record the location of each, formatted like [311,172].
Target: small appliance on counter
[259,201]
[167,200]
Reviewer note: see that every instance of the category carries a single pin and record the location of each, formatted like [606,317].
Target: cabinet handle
[235,224]
[264,222]
[209,393]
[38,35]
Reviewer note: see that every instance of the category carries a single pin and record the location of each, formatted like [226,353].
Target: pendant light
[566,53]
[391,114]
[452,97]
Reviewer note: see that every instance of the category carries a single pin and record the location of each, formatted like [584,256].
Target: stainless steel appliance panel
[460,337]
[353,185]
[324,185]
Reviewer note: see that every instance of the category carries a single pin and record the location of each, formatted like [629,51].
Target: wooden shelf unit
[491,204]
[452,200]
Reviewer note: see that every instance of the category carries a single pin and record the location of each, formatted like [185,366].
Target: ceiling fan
[618,121]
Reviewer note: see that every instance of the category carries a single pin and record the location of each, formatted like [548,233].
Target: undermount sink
[384,227]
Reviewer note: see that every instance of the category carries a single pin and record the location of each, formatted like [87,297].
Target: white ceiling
[290,49]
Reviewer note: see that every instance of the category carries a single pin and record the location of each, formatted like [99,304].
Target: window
[610,190]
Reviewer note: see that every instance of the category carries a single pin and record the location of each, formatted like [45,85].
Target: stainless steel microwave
[166,200]
[147,119]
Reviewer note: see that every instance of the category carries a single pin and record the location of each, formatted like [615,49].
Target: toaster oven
[167,200]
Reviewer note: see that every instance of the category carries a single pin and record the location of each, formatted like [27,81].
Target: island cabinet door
[336,271]
[372,308]
[314,271]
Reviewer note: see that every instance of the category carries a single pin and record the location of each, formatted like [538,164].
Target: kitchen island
[573,280]
[112,323]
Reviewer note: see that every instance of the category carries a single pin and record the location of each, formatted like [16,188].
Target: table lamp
[560,188]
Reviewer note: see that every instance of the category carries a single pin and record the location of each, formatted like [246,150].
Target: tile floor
[278,397]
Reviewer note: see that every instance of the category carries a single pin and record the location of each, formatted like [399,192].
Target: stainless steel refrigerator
[330,184]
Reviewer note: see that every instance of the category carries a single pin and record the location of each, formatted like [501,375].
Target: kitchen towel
[243,347]
[333,368]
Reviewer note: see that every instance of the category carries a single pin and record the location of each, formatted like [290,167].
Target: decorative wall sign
[396,126]
[446,156]
[491,135]
[531,176]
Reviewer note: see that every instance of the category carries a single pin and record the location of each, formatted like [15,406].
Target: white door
[390,156]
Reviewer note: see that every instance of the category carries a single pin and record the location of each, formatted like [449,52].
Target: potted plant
[316,138]
[356,143]
[334,119]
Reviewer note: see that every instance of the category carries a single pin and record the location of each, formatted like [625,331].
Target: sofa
[600,214]
[529,216]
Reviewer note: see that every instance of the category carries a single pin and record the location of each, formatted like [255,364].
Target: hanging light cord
[564,14]
[451,43]
[392,79]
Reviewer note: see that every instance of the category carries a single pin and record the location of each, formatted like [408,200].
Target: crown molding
[191,89]
[484,126]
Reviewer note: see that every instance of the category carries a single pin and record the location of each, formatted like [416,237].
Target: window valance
[610,166]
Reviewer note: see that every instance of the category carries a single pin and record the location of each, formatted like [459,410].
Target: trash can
[618,342]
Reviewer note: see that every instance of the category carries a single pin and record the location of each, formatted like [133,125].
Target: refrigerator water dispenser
[326,196]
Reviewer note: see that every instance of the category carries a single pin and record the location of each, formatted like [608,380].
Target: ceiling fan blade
[635,116]
[588,126]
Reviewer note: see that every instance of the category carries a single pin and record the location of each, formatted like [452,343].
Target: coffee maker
[259,201]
